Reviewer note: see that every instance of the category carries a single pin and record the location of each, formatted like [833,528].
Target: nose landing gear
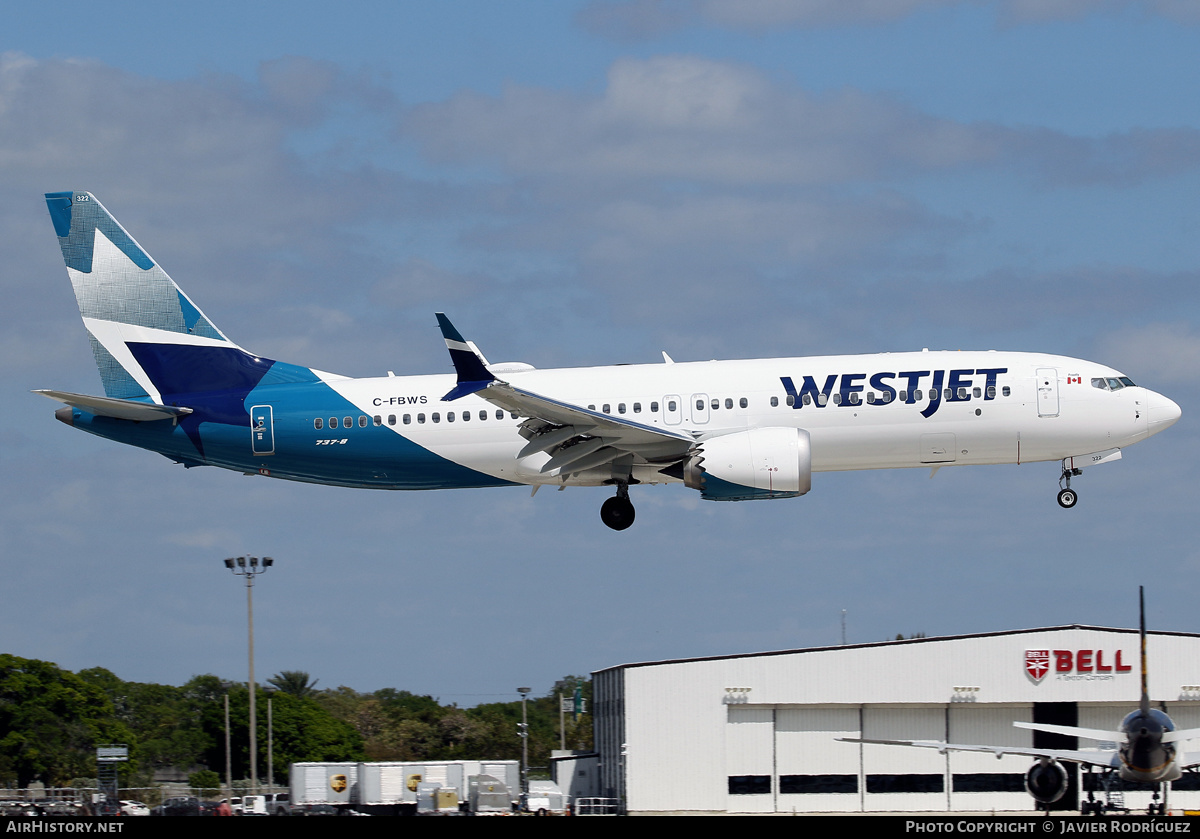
[1067,496]
[617,512]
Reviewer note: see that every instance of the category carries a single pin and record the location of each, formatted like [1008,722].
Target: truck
[395,785]
[391,787]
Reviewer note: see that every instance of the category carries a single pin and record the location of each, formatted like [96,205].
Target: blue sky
[591,183]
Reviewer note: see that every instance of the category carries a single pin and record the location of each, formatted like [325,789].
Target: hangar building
[758,733]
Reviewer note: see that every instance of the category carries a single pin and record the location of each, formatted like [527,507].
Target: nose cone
[1161,413]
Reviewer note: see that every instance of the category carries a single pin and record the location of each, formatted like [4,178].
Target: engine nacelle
[1046,781]
[746,465]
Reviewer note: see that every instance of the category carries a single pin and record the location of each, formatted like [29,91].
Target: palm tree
[294,682]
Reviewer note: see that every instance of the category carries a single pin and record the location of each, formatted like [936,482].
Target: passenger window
[654,407]
[949,394]
[466,416]
[871,398]
[483,415]
[637,407]
[347,422]
[716,404]
[671,405]
[837,399]
[742,402]
[318,423]
[378,420]
[333,422]
[976,393]
[499,414]
[854,399]
[822,399]
[514,416]
[991,392]
[791,400]
[391,419]
[607,408]
[903,397]
[1006,391]
[728,404]
[407,419]
[962,393]
[362,422]
[437,417]
[591,407]
[420,419]
[620,407]
[699,404]
[933,395]
[449,416]
[774,401]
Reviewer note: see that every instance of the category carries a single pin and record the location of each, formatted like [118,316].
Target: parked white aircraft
[1144,748]
[733,430]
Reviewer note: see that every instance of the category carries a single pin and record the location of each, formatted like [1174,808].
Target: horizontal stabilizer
[126,409]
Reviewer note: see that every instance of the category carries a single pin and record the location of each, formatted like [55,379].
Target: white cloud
[644,19]
[695,119]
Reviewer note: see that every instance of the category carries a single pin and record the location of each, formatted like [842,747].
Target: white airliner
[1144,750]
[733,430]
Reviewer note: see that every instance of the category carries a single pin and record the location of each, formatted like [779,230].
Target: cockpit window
[1115,383]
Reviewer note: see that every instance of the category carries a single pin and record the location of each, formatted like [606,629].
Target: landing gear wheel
[617,512]
[1067,498]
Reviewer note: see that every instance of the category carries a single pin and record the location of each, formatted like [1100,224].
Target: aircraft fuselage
[883,411]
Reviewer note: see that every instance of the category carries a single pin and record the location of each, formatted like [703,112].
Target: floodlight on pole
[250,573]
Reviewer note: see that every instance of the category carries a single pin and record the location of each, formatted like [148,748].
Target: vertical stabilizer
[125,298]
[1145,703]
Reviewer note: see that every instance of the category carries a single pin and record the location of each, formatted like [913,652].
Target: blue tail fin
[126,299]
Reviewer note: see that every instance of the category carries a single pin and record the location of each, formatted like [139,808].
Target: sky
[587,183]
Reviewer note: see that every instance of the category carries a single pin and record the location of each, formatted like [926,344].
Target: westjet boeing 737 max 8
[733,430]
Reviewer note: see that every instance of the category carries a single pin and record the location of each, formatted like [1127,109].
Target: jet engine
[1046,781]
[759,463]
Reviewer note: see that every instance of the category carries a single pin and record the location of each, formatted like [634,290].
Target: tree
[51,721]
[294,683]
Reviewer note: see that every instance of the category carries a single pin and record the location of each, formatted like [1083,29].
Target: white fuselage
[987,408]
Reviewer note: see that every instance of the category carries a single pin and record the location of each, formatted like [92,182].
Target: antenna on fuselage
[1145,704]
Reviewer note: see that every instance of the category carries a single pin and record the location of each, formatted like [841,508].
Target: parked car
[134,808]
[183,806]
[278,803]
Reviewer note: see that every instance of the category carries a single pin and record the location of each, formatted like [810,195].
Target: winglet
[473,376]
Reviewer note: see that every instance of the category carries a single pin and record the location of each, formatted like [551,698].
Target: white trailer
[395,784]
[323,783]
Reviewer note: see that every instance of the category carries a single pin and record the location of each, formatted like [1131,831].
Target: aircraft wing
[577,438]
[126,409]
[1075,731]
[1180,735]
[1106,757]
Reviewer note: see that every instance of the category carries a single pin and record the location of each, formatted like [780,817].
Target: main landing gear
[1067,496]
[617,512]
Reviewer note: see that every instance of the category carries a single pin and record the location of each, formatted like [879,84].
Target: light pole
[524,740]
[249,568]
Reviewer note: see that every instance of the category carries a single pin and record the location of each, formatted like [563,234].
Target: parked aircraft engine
[1046,781]
[759,463]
